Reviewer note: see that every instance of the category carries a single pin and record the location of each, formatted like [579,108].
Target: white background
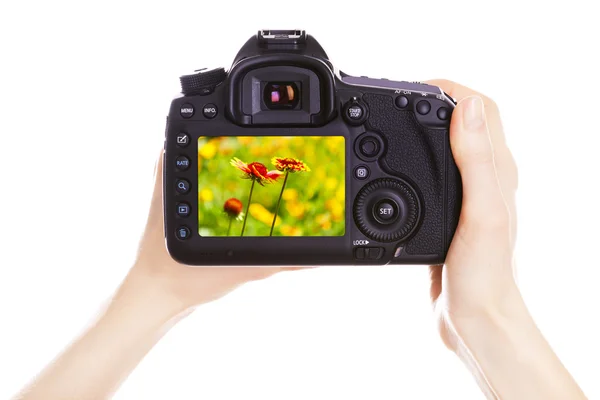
[84,91]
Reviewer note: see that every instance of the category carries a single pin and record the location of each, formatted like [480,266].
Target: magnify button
[182,186]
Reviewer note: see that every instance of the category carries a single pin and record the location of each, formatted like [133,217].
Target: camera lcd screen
[271,186]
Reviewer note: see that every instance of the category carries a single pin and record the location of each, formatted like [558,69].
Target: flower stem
[229,228]
[279,202]
[248,206]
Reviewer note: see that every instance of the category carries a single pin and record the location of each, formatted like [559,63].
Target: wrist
[509,356]
[145,297]
[494,322]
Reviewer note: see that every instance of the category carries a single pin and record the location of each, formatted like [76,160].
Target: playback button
[183,209]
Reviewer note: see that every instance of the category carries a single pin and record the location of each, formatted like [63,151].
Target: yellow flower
[290,194]
[206,195]
[330,183]
[336,208]
[335,144]
[324,221]
[289,164]
[321,175]
[340,194]
[291,231]
[208,151]
[260,213]
[245,140]
[296,209]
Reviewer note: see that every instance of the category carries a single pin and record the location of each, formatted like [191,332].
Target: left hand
[187,286]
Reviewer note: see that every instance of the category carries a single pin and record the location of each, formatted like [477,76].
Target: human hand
[182,285]
[478,278]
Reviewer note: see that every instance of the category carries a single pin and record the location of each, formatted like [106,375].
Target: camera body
[283,160]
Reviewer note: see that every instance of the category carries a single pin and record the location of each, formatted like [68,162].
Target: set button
[385,211]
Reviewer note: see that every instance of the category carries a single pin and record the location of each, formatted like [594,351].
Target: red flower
[256,171]
[233,207]
[289,164]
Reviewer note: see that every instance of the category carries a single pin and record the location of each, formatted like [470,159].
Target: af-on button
[401,101]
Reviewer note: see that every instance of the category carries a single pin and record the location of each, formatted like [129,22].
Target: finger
[247,274]
[474,155]
[435,273]
[505,163]
[257,273]
[155,216]
[506,167]
[459,92]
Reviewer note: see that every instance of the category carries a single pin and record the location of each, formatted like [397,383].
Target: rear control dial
[386,210]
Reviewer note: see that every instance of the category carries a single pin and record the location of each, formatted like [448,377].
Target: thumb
[474,155]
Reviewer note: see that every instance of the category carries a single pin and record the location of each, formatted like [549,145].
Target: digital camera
[284,160]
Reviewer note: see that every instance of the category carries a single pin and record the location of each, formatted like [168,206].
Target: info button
[210,111]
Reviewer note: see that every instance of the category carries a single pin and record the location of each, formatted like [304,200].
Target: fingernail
[473,113]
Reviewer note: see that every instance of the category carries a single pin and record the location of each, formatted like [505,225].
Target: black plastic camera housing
[402,188]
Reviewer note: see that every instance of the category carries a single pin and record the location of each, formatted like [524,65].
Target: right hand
[478,278]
